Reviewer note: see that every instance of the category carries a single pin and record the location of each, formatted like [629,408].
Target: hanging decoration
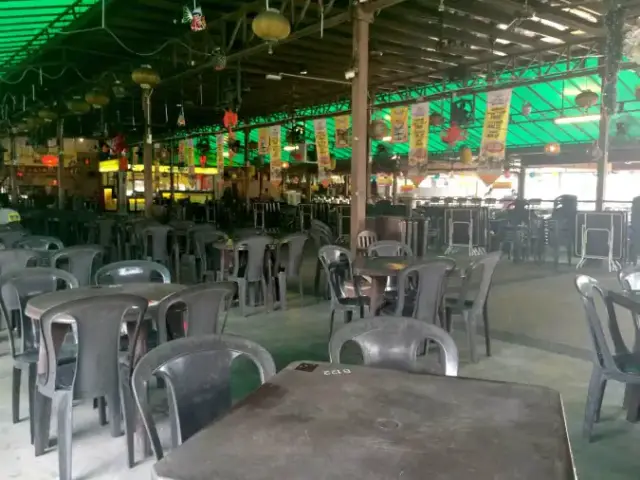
[47,115]
[182,121]
[342,131]
[436,119]
[263,141]
[230,120]
[97,98]
[194,18]
[271,26]
[631,43]
[219,60]
[146,77]
[322,143]
[220,141]
[399,124]
[466,155]
[78,106]
[453,135]
[275,154]
[378,129]
[493,145]
[586,99]
[526,109]
[552,148]
[419,136]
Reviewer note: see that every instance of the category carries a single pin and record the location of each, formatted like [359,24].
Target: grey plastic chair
[197,375]
[94,374]
[421,289]
[320,239]
[365,239]
[337,263]
[132,271]
[396,343]
[253,271]
[9,238]
[41,243]
[81,261]
[389,248]
[202,241]
[17,259]
[155,241]
[471,308]
[17,287]
[611,360]
[204,307]
[629,279]
[288,267]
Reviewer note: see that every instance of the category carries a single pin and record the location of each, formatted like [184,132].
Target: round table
[380,269]
[154,292]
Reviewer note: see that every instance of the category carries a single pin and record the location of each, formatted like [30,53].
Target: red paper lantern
[49,160]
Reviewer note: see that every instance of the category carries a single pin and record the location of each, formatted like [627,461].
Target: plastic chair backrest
[105,231]
[9,238]
[81,261]
[629,279]
[159,236]
[17,258]
[486,265]
[429,291]
[205,306]
[39,243]
[294,245]
[255,247]
[366,238]
[98,322]
[197,375]
[395,343]
[337,263]
[389,248]
[17,287]
[132,271]
[590,293]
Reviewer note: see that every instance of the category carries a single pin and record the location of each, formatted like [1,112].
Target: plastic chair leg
[33,372]
[594,401]
[102,411]
[65,435]
[331,320]
[282,290]
[129,413]
[485,321]
[15,394]
[242,297]
[470,324]
[42,422]
[115,414]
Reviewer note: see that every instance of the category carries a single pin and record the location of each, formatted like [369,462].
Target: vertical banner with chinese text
[275,153]
[399,124]
[220,138]
[342,131]
[494,134]
[419,140]
[263,141]
[322,143]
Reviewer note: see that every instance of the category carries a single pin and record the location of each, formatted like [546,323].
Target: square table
[317,421]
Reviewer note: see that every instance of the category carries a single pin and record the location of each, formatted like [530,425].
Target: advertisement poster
[399,124]
[322,143]
[263,141]
[419,140]
[494,133]
[275,154]
[342,130]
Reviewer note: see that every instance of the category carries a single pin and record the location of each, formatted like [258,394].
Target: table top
[154,292]
[381,266]
[320,421]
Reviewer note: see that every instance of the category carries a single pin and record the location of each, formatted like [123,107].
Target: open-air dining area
[299,239]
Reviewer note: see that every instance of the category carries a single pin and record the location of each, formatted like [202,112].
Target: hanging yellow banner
[220,153]
[343,139]
[399,124]
[322,143]
[493,147]
[275,153]
[263,141]
[419,140]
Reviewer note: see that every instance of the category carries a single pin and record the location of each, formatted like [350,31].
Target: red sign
[49,160]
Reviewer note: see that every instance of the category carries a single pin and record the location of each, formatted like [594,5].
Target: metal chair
[80,260]
[197,374]
[389,248]
[94,374]
[252,272]
[132,271]
[395,343]
[618,364]
[461,303]
[288,267]
[17,288]
[337,263]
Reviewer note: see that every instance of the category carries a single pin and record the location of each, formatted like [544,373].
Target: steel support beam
[360,122]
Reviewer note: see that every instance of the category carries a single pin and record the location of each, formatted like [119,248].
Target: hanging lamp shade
[146,77]
[271,26]
[552,148]
[47,115]
[378,129]
[436,119]
[586,99]
[97,98]
[78,106]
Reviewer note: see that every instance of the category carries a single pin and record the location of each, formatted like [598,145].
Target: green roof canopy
[26,25]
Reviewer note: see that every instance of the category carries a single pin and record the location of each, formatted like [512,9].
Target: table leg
[378,285]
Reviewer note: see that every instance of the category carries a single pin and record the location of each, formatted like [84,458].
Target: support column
[60,162]
[522,176]
[247,165]
[614,24]
[360,122]
[147,152]
[13,152]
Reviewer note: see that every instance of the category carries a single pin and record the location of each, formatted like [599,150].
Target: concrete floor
[539,334]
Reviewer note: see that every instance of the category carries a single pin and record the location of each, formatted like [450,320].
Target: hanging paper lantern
[146,77]
[230,120]
[436,119]
[123,164]
[47,115]
[452,135]
[49,160]
[97,98]
[526,109]
[219,61]
[182,121]
[407,188]
[532,174]
[285,165]
[466,156]
[552,148]
[586,99]
[315,188]
[506,173]
[378,129]
[78,106]
[271,26]
[325,182]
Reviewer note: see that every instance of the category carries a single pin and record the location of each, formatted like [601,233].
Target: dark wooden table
[320,421]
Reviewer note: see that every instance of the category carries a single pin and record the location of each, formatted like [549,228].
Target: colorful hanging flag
[399,124]
[341,128]
[263,141]
[419,140]
[322,142]
[275,154]
[494,134]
